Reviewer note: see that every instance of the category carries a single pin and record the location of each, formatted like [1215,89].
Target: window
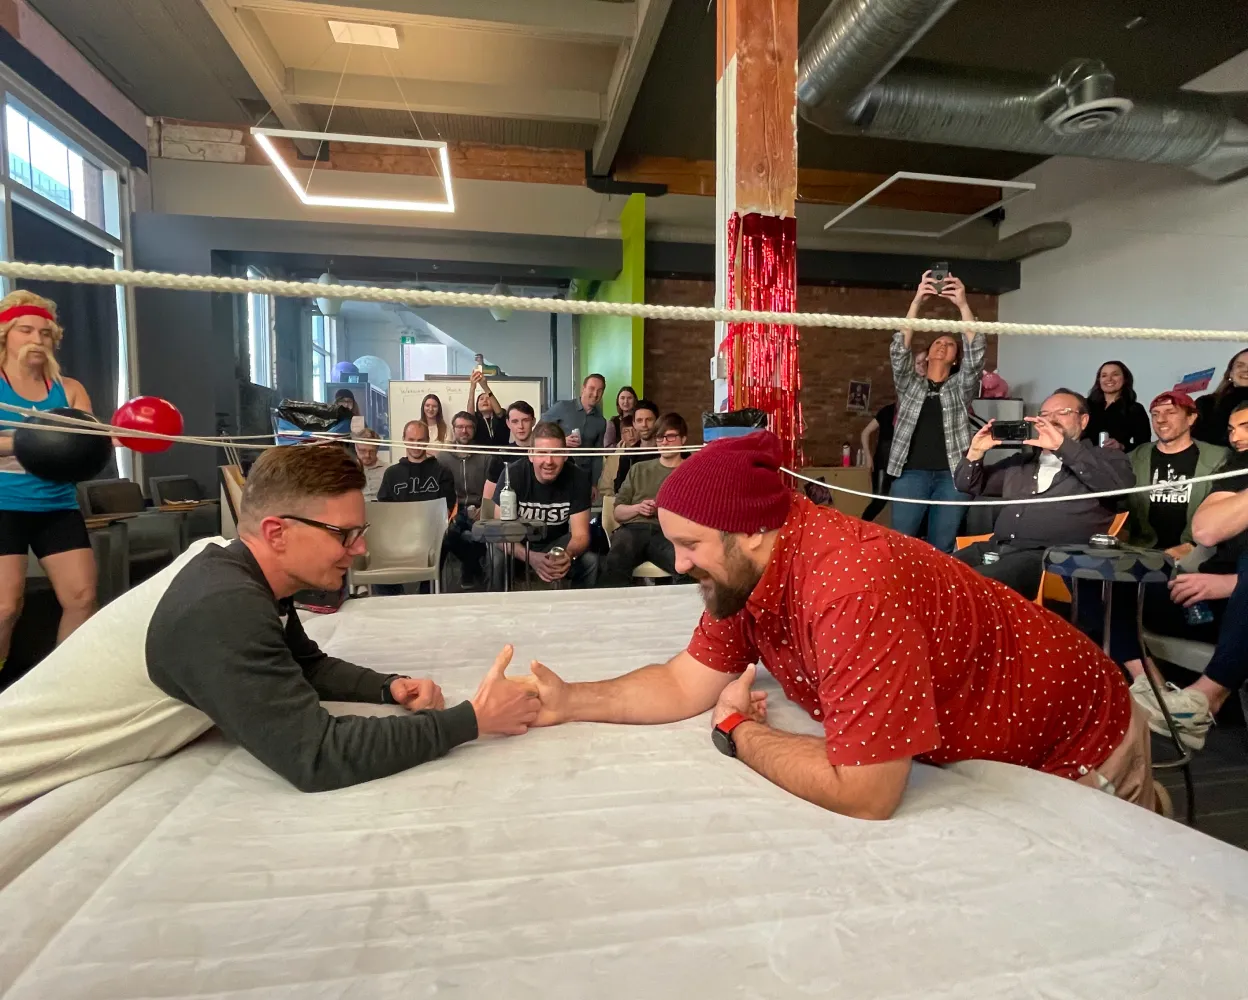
[260,334]
[53,167]
[323,331]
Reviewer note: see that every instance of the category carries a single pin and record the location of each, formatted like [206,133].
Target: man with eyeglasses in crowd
[1060,465]
[226,640]
[639,538]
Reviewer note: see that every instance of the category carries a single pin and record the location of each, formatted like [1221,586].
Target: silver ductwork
[1073,113]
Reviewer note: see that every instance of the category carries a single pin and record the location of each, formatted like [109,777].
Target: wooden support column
[756,131]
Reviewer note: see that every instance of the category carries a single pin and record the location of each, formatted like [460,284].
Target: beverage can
[556,552]
[1102,438]
[991,557]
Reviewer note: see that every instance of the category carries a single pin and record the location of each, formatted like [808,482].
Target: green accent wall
[613,345]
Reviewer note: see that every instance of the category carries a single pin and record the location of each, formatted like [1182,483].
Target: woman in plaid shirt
[933,427]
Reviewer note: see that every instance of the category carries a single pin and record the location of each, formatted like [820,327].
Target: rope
[693,314]
[62,424]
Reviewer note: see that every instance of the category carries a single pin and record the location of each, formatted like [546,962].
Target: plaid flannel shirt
[956,393]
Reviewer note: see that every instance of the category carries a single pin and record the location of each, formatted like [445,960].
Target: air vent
[1088,117]
[1084,90]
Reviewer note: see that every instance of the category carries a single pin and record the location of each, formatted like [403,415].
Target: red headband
[15,312]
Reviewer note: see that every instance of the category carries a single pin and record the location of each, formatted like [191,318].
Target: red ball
[152,414]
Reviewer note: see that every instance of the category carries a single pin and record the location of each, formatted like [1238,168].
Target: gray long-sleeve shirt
[571,416]
[1085,469]
[217,641]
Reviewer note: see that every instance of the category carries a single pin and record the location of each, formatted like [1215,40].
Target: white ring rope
[62,424]
[697,314]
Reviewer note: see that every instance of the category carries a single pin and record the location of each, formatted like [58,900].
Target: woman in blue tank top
[38,514]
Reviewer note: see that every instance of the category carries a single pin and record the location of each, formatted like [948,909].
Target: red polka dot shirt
[902,651]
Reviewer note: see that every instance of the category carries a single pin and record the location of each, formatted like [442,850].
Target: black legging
[881,481]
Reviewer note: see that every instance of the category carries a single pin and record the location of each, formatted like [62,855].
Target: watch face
[723,742]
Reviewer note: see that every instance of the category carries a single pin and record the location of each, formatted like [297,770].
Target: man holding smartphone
[1060,465]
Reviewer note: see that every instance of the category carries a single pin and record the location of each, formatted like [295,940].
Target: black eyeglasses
[347,536]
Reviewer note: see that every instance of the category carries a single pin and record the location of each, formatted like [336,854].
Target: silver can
[556,552]
[1102,438]
[991,557]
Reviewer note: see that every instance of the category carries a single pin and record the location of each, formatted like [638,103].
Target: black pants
[633,544]
[1018,569]
[582,575]
[881,481]
[1227,633]
[460,544]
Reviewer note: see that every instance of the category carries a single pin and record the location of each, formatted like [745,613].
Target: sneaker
[1188,708]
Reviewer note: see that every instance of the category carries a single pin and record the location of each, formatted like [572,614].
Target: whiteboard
[406,396]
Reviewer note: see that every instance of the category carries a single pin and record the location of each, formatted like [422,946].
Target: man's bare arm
[1221,516]
[662,692]
[799,765]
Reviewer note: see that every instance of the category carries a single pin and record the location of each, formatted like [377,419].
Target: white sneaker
[1188,708]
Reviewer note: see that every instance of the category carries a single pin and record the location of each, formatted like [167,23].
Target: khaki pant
[1128,772]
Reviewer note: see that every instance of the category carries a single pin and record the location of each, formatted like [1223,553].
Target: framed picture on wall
[859,396]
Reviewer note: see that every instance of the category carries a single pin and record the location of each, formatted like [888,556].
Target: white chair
[404,543]
[647,570]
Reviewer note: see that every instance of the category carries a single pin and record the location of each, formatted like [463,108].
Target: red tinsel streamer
[763,367]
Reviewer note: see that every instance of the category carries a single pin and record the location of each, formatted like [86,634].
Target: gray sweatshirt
[218,642]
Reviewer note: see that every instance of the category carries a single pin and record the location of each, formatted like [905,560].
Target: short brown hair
[671,422]
[368,434]
[284,479]
[550,430]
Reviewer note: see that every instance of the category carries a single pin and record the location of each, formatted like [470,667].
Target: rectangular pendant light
[342,201]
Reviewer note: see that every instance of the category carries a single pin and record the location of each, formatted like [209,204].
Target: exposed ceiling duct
[850,82]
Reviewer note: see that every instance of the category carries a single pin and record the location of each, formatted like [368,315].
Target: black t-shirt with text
[553,503]
[1168,505]
[927,444]
[427,479]
[1225,557]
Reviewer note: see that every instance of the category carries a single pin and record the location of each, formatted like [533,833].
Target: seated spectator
[628,439]
[645,423]
[1219,589]
[1215,408]
[555,492]
[520,420]
[639,538]
[582,422]
[1113,410]
[373,467]
[416,476]
[468,469]
[1163,519]
[1063,466]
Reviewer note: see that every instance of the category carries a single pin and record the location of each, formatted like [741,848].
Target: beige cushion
[90,706]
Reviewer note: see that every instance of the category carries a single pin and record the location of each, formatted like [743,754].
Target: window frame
[258,306]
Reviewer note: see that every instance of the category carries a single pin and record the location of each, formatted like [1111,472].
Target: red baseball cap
[1180,399]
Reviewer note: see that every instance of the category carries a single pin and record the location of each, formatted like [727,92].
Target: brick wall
[677,358]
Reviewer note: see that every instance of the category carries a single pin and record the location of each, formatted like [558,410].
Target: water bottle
[507,499]
[1198,614]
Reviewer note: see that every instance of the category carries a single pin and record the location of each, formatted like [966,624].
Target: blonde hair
[21,297]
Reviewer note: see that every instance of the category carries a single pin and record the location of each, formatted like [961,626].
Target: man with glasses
[225,639]
[639,538]
[1059,465]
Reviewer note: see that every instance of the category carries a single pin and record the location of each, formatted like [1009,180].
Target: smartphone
[940,271]
[1013,430]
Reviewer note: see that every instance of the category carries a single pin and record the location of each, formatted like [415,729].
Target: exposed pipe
[851,81]
[852,46]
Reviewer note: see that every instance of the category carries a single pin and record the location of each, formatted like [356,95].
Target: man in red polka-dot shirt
[900,651]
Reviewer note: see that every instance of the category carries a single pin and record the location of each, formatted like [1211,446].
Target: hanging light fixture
[501,313]
[326,306]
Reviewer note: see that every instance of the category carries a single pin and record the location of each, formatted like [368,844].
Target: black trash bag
[295,421]
[733,423]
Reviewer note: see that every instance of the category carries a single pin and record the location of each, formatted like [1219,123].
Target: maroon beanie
[732,485]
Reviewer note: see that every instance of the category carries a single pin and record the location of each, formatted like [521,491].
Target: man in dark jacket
[1063,465]
[469,471]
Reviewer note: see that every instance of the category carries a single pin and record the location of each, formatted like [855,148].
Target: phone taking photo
[940,271]
[1013,430]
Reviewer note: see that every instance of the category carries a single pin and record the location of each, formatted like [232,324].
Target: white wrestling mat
[599,861]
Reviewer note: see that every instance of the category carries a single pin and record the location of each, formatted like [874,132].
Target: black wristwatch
[387,696]
[721,735]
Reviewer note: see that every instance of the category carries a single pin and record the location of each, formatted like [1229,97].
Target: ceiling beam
[591,20]
[246,37]
[630,69]
[442,97]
